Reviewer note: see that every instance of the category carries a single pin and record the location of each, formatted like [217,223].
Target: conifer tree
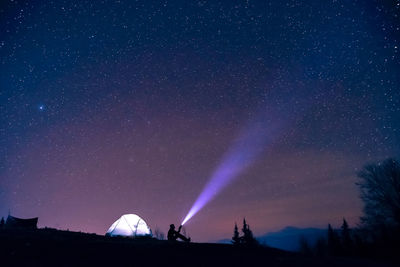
[333,241]
[346,237]
[244,229]
[248,238]
[236,238]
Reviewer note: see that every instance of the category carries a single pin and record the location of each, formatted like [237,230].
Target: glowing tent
[129,225]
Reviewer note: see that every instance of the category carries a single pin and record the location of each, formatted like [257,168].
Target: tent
[129,225]
[14,222]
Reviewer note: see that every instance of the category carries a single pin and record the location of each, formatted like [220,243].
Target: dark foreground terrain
[49,247]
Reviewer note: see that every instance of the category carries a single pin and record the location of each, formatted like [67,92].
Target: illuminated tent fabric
[129,225]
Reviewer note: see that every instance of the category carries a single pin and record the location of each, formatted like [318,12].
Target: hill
[50,247]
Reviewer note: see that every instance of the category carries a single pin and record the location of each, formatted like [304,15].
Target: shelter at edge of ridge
[129,225]
[19,223]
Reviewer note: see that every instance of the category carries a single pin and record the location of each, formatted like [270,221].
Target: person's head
[172,226]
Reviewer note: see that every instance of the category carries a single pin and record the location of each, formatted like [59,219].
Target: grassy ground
[49,247]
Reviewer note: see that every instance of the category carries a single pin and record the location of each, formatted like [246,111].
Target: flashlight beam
[250,143]
[258,135]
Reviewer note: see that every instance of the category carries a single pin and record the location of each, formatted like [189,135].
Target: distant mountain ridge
[289,237]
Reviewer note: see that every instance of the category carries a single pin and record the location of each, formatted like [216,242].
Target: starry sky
[114,107]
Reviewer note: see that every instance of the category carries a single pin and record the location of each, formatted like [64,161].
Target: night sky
[114,107]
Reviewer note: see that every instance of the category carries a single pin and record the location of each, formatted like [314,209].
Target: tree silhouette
[346,235]
[245,227]
[248,238]
[236,238]
[333,241]
[2,222]
[347,242]
[380,191]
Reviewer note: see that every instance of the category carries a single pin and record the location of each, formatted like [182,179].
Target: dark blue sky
[111,107]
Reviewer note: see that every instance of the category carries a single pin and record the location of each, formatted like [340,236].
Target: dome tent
[129,225]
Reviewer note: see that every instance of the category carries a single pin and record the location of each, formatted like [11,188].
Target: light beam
[249,144]
[258,135]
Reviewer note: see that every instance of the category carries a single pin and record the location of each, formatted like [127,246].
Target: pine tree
[248,238]
[333,241]
[2,222]
[346,237]
[236,238]
[244,229]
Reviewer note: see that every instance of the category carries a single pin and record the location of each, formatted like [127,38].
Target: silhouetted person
[174,235]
